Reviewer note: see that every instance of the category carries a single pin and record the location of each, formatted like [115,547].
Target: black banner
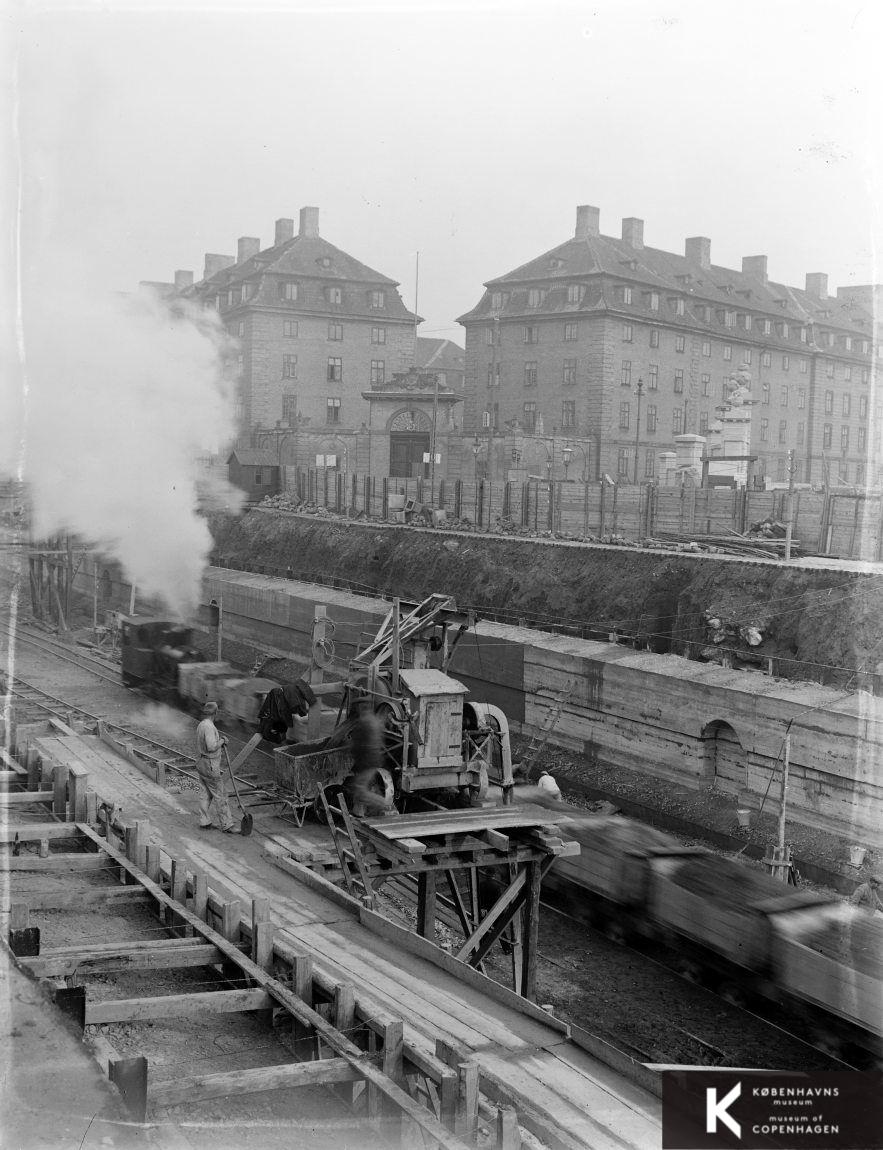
[755,1109]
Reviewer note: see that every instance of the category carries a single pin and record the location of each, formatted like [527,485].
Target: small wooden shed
[255,471]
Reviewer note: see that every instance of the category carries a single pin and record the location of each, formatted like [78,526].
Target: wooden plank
[25,798]
[309,1017]
[68,900]
[11,764]
[426,900]
[180,957]
[396,827]
[177,1006]
[56,862]
[287,1076]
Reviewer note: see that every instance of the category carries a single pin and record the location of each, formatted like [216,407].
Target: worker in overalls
[209,747]
[366,742]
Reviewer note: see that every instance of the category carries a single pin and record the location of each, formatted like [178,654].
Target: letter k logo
[715,1110]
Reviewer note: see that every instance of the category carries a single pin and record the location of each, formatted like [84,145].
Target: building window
[378,370]
[801,433]
[378,298]
[568,413]
[654,301]
[865,374]
[746,322]
[335,331]
[765,326]
[706,384]
[289,367]
[863,407]
[530,334]
[378,335]
[803,335]
[651,417]
[334,295]
[680,342]
[766,359]
[624,415]
[530,417]
[649,465]
[703,422]
[783,431]
[289,408]
[729,319]
[568,371]
[847,404]
[847,341]
[829,368]
[679,381]
[490,334]
[801,367]
[626,294]
[625,373]
[240,329]
[844,439]
[494,373]
[332,410]
[862,438]
[496,300]
[847,373]
[677,421]
[765,392]
[575,293]
[781,468]
[786,363]
[535,297]
[653,381]
[627,332]
[728,351]
[827,432]
[571,332]
[786,331]
[622,463]
[530,373]
[764,430]
[288,290]
[783,395]
[829,402]
[485,419]
[654,337]
[289,328]
[706,348]
[258,477]
[801,398]
[860,474]
[679,306]
[335,369]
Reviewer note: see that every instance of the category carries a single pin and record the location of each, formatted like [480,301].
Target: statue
[739,387]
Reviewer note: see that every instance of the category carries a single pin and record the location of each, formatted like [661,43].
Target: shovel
[247,822]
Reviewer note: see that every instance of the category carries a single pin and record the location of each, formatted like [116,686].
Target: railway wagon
[830,959]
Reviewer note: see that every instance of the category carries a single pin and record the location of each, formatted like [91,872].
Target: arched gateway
[726,760]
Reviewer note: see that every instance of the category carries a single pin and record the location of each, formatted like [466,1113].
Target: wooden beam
[66,965]
[68,900]
[56,862]
[426,900]
[33,832]
[357,1058]
[496,919]
[176,1006]
[25,798]
[530,932]
[201,1087]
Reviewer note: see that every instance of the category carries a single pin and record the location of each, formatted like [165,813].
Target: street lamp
[640,390]
[566,453]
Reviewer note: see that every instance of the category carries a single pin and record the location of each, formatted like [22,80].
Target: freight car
[734,928]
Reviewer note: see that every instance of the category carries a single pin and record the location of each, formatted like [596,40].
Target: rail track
[160,758]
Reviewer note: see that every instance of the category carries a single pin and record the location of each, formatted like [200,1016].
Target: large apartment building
[576,342]
[315,329]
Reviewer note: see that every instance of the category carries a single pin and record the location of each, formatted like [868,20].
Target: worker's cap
[545,772]
[210,709]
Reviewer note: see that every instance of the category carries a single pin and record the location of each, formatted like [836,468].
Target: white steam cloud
[121,398]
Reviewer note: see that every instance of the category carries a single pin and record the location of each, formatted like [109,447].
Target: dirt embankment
[817,624]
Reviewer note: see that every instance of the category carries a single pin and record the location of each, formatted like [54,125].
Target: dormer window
[746,321]
[334,295]
[288,290]
[803,335]
[575,293]
[324,261]
[246,291]
[555,262]
[496,300]
[625,294]
[848,342]
[377,298]
[632,265]
[679,306]
[535,297]
[729,319]
[654,301]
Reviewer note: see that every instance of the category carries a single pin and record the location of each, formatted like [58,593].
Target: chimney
[183,280]
[817,284]
[588,222]
[633,232]
[284,231]
[215,264]
[755,266]
[697,249]
[248,246]
[309,223]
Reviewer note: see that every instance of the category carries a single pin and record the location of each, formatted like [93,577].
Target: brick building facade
[314,329]
[568,348]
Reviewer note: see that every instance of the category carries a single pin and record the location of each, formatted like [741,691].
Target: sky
[144,135]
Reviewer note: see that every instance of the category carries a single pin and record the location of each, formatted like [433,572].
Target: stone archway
[410,438]
[726,760]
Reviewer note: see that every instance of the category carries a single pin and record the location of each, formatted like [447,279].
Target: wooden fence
[846,525]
